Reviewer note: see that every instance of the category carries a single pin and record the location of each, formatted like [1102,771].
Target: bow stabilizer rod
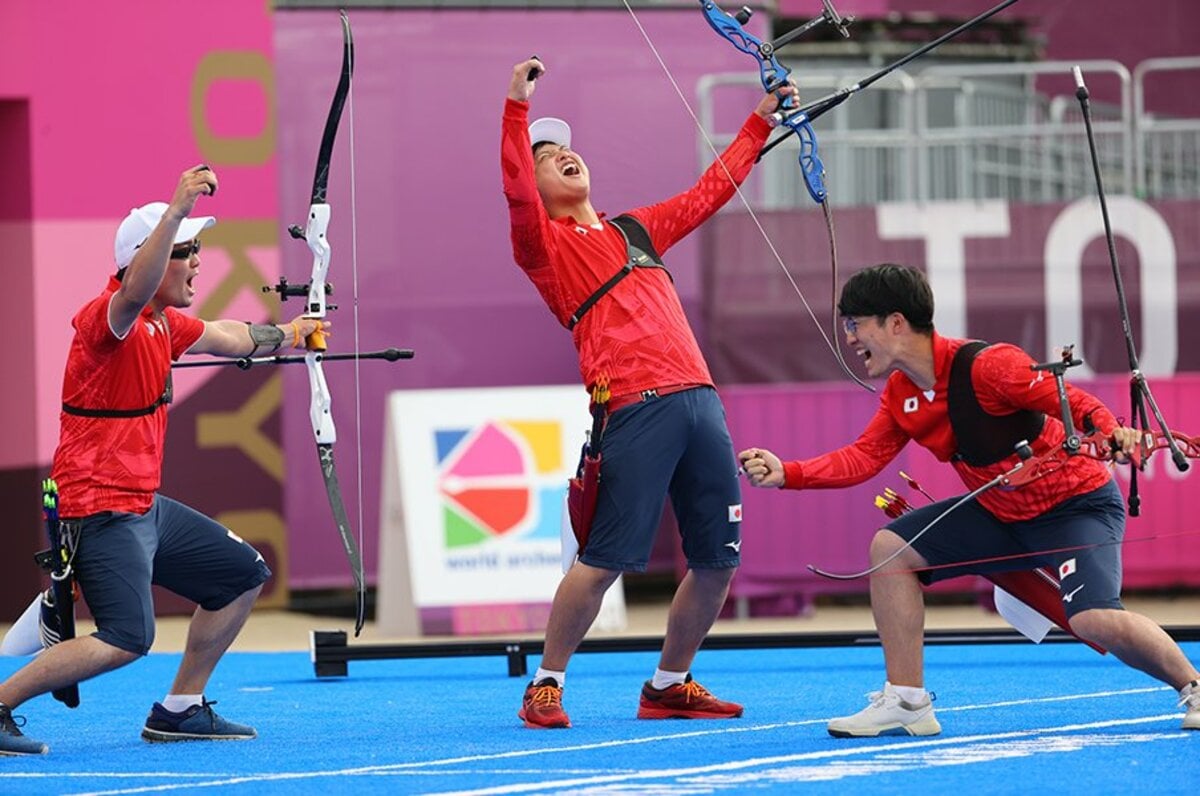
[245,363]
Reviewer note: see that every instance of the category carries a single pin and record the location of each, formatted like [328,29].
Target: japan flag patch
[1066,568]
[735,513]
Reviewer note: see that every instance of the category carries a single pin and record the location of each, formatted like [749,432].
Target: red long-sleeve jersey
[1003,384]
[637,334]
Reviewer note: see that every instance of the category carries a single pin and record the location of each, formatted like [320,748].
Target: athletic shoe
[12,740]
[888,714]
[686,700]
[197,723]
[1189,697]
[542,709]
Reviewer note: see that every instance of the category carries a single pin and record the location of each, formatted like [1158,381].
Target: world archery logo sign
[500,480]
[474,485]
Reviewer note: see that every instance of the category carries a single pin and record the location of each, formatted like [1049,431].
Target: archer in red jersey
[970,404]
[605,281]
[124,536]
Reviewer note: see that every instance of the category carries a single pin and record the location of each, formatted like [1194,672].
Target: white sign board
[473,498]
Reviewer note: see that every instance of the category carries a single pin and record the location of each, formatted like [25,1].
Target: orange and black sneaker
[686,700]
[542,707]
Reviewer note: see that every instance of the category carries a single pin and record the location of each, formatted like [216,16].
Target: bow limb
[995,482]
[1153,441]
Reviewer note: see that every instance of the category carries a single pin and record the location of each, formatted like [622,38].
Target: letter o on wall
[237,65]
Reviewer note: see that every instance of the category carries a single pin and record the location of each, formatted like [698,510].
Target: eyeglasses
[185,250]
[850,325]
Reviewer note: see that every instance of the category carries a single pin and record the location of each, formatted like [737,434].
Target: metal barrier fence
[977,131]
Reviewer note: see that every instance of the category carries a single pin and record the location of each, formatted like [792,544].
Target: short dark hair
[883,289]
[537,144]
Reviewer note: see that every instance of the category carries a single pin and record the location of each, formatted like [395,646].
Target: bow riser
[774,75]
[318,244]
[1097,446]
[320,402]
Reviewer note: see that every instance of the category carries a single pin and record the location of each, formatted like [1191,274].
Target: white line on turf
[723,730]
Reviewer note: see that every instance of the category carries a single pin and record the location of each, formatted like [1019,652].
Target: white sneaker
[888,714]
[1189,697]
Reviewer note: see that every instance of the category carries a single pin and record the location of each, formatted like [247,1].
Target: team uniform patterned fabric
[1003,383]
[637,334]
[115,464]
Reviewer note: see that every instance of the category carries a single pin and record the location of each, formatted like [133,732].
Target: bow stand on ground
[1140,396]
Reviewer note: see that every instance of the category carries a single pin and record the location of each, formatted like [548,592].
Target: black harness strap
[165,398]
[162,400]
[639,253]
[984,438]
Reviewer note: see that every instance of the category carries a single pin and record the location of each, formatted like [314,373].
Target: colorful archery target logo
[500,480]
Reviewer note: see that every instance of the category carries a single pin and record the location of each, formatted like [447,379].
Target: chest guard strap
[162,400]
[165,398]
[639,253]
[984,438]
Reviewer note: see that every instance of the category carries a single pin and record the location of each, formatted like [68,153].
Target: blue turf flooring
[1015,718]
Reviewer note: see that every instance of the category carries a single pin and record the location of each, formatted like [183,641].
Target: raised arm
[532,238]
[145,272]
[670,221]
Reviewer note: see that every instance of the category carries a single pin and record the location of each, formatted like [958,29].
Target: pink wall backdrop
[113,130]
[103,104]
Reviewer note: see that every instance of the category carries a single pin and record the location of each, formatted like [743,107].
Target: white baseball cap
[141,221]
[556,131]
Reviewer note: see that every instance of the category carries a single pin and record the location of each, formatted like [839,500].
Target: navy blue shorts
[1090,577]
[120,555]
[676,445]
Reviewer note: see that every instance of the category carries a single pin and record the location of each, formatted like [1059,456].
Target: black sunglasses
[185,250]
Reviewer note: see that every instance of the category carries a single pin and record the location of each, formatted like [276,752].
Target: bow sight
[829,16]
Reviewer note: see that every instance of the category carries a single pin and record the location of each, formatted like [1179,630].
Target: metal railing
[978,131]
[1166,151]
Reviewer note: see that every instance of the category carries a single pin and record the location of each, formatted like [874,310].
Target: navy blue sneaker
[12,740]
[197,723]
